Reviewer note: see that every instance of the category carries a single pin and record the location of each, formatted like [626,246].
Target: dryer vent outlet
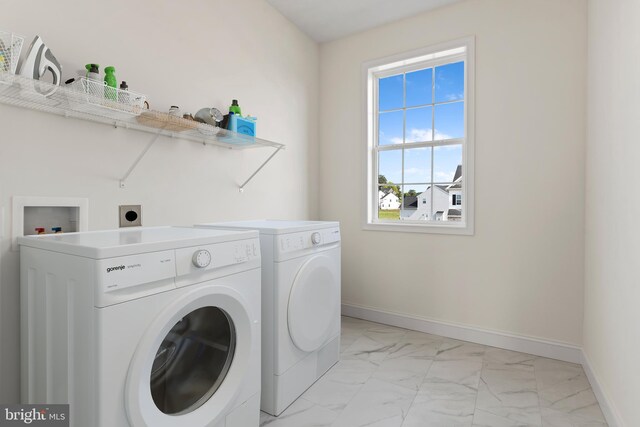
[130,215]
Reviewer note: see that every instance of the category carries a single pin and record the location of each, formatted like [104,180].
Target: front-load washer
[144,327]
[300,305]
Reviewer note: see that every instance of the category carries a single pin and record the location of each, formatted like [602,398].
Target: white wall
[522,272]
[612,292]
[191,54]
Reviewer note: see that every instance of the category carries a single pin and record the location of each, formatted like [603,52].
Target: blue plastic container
[243,125]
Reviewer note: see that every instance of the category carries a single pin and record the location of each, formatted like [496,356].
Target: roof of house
[385,188]
[457,177]
[454,212]
[388,194]
[410,202]
[441,187]
[458,173]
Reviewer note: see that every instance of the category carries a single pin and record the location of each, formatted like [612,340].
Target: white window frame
[405,62]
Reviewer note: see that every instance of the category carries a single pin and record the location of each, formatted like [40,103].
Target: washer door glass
[192,360]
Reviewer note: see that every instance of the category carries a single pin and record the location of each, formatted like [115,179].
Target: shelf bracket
[140,157]
[241,188]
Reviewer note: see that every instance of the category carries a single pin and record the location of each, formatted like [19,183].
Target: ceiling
[326,20]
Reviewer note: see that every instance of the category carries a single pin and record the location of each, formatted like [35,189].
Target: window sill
[461,230]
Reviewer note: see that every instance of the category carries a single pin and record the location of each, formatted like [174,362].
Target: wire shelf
[103,107]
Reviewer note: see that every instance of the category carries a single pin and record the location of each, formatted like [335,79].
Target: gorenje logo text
[119,267]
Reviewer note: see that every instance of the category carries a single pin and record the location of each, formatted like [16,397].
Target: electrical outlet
[130,215]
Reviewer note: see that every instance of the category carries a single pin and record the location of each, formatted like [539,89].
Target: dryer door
[314,302]
[190,365]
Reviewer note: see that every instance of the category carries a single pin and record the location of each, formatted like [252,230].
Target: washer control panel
[307,239]
[208,257]
[119,273]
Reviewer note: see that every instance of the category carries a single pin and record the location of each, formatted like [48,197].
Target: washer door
[193,360]
[190,365]
[314,303]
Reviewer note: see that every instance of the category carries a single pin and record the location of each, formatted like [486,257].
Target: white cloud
[417,171]
[420,135]
[443,176]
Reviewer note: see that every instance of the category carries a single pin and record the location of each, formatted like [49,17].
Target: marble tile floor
[392,377]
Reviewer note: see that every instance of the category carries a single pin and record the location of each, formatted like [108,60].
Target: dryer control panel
[293,242]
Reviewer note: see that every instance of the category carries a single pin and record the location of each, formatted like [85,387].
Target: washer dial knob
[201,258]
[315,238]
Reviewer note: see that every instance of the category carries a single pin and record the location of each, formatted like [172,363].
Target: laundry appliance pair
[163,326]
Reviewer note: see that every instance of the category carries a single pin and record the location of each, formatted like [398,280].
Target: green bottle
[112,83]
[235,108]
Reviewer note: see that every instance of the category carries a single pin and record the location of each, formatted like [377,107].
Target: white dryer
[300,305]
[145,327]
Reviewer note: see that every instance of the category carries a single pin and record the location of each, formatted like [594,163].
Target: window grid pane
[437,199]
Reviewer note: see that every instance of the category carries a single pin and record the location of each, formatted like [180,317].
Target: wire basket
[93,96]
[10,48]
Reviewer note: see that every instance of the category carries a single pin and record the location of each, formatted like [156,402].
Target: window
[419,127]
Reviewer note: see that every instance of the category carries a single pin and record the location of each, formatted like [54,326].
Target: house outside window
[419,128]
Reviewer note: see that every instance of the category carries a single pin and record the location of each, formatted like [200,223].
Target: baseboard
[609,410]
[524,344]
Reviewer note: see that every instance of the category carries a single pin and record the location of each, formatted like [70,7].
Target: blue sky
[449,122]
